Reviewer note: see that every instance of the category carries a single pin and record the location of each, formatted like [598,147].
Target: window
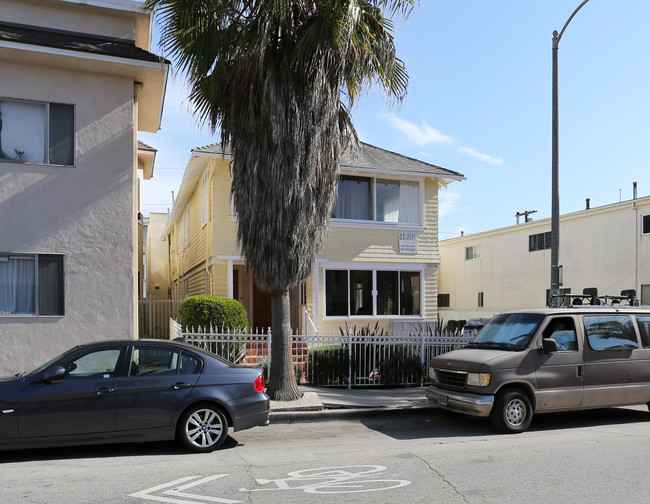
[34,132]
[473,252]
[645,294]
[480,299]
[372,293]
[610,332]
[539,241]
[645,224]
[205,197]
[187,225]
[563,331]
[380,200]
[644,330]
[444,301]
[153,360]
[31,284]
[100,363]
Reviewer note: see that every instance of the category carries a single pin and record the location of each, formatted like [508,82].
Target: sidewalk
[322,404]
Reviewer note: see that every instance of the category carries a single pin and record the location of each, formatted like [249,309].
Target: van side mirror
[53,374]
[549,345]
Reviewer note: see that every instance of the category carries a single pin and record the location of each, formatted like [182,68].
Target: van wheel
[512,412]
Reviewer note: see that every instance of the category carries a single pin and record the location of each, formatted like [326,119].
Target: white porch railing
[335,359]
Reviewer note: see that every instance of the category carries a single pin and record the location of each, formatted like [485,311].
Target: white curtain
[23,130]
[17,285]
[398,201]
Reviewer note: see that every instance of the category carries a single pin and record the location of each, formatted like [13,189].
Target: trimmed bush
[218,312]
[205,312]
[400,368]
[329,365]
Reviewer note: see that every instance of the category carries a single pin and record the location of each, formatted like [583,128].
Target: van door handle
[180,385]
[579,372]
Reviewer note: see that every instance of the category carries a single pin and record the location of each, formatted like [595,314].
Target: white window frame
[474,249]
[374,267]
[374,223]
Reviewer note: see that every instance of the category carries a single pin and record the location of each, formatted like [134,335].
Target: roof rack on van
[590,296]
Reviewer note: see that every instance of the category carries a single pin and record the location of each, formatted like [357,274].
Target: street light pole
[555,182]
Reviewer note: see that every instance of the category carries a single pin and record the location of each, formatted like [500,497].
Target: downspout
[636,242]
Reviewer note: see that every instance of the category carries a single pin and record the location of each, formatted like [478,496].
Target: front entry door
[261,308]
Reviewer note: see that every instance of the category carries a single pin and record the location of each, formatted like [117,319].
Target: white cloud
[420,135]
[485,158]
[449,202]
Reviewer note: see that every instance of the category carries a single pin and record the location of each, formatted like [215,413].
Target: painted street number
[324,480]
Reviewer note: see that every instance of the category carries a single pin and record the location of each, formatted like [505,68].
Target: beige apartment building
[78,82]
[607,248]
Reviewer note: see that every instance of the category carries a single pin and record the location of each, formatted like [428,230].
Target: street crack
[441,477]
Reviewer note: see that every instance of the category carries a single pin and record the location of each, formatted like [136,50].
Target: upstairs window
[34,132]
[31,284]
[645,224]
[472,252]
[378,200]
[541,241]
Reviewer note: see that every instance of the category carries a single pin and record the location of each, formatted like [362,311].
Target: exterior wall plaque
[408,242]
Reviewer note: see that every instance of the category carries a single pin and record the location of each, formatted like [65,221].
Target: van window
[563,331]
[610,332]
[644,330]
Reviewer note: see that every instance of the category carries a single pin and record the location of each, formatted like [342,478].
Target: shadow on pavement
[444,424]
[105,451]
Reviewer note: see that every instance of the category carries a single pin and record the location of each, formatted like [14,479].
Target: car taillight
[259,384]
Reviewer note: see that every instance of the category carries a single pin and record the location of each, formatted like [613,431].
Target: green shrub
[400,369]
[218,312]
[329,365]
[203,313]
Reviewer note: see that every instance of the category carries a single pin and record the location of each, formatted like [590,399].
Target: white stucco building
[77,83]
[607,248]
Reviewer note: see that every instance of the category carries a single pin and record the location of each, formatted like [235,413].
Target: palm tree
[278,78]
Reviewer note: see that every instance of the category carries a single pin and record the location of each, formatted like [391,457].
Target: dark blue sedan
[123,391]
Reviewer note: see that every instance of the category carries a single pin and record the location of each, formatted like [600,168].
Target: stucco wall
[84,212]
[602,248]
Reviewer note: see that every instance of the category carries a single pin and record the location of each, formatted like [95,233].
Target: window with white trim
[31,284]
[378,200]
[472,252]
[205,197]
[35,132]
[645,224]
[369,293]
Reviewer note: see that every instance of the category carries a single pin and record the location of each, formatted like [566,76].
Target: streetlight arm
[556,39]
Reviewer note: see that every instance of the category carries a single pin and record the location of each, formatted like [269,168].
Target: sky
[479,103]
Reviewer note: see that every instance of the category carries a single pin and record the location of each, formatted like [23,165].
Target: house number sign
[408,242]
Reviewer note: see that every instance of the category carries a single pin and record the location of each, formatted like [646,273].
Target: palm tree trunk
[282,379]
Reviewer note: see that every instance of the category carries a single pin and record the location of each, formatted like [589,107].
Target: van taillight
[259,384]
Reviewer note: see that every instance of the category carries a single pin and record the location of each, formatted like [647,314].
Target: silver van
[553,359]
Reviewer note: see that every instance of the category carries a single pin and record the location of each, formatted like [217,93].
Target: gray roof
[75,41]
[373,158]
[367,158]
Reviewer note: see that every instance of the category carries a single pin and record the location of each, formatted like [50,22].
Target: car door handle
[180,385]
[104,390]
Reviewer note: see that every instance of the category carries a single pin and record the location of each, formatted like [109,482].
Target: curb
[331,415]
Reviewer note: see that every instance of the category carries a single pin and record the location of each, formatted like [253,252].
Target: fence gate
[153,317]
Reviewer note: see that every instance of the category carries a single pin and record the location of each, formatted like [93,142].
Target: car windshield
[510,331]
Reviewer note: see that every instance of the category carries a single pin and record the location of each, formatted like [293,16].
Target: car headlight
[478,379]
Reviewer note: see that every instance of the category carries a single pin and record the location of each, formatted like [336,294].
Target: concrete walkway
[320,404]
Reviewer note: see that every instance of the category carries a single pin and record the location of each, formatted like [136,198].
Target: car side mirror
[549,345]
[53,374]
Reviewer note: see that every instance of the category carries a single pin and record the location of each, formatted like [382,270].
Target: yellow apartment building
[379,263]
